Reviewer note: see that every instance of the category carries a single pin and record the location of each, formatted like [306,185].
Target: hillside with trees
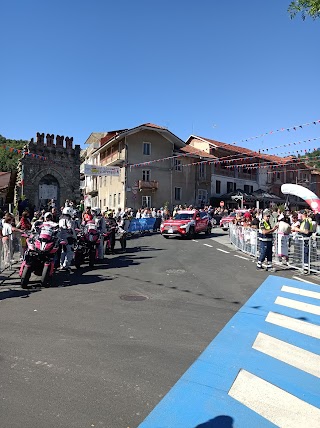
[9,159]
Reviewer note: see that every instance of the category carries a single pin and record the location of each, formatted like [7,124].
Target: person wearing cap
[265,237]
[305,230]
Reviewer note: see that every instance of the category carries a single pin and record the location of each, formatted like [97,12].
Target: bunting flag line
[292,128]
[250,152]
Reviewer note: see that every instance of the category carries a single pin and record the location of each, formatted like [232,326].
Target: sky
[224,70]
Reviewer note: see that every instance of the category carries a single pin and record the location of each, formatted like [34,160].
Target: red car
[186,224]
[225,221]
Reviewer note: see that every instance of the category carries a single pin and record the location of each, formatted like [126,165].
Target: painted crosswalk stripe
[299,326]
[294,304]
[287,353]
[223,251]
[301,292]
[207,245]
[274,404]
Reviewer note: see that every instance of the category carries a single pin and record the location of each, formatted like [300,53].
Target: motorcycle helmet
[48,216]
[67,211]
[96,211]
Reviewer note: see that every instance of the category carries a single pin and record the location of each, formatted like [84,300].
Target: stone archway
[48,189]
[49,184]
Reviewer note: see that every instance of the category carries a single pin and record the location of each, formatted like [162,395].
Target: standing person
[111,226]
[265,237]
[7,230]
[25,225]
[101,226]
[305,230]
[284,230]
[87,215]
[122,233]
[66,233]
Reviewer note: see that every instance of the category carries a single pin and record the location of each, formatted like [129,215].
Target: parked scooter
[88,241]
[39,257]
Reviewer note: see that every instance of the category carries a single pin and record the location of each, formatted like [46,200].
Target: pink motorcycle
[88,241]
[39,257]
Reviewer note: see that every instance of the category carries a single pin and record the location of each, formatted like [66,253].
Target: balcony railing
[148,185]
[116,158]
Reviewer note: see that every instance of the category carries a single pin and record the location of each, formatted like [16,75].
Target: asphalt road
[81,355]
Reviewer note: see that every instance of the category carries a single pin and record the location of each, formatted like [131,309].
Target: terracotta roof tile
[245,151]
[197,152]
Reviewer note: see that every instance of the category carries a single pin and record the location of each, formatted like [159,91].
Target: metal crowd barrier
[11,250]
[140,225]
[295,251]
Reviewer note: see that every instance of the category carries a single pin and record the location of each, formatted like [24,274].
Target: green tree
[312,159]
[305,7]
[9,159]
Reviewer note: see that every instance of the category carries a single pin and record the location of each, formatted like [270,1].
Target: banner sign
[95,170]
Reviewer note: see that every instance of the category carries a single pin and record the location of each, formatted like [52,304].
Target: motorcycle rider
[66,233]
[101,226]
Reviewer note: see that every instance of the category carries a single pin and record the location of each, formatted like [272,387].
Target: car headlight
[183,226]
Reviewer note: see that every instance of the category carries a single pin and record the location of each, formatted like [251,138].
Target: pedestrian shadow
[218,422]
[9,294]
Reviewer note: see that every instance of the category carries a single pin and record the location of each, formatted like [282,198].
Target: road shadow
[9,294]
[218,422]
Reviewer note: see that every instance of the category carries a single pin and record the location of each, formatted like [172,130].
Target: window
[177,193]
[114,199]
[229,186]
[278,175]
[218,186]
[177,165]
[105,180]
[202,196]
[146,174]
[110,201]
[104,202]
[147,149]
[119,198]
[248,189]
[202,170]
[146,201]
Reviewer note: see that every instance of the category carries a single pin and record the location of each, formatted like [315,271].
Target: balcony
[116,158]
[148,185]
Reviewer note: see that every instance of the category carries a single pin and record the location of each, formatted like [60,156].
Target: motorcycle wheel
[45,277]
[92,258]
[25,277]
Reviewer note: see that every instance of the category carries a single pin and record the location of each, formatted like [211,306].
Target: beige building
[155,169]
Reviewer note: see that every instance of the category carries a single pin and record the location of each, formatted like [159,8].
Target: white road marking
[223,251]
[300,326]
[301,292]
[294,304]
[289,354]
[241,257]
[272,403]
[194,240]
[304,280]
[207,245]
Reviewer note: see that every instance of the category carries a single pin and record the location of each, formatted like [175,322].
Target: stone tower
[49,170]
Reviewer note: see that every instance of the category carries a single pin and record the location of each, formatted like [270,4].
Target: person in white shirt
[67,234]
[7,230]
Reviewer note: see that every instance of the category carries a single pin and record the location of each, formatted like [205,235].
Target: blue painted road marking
[234,385]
